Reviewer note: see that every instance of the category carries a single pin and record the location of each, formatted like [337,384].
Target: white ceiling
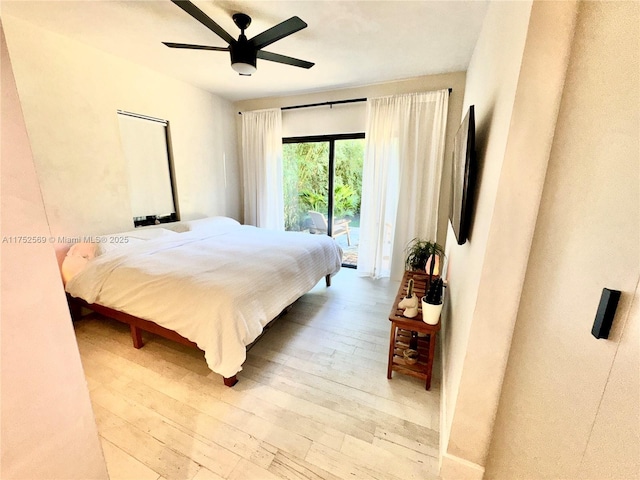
[352,43]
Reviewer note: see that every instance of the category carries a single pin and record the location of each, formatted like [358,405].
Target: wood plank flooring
[313,401]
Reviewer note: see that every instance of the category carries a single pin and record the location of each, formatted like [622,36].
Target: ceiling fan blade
[274,57]
[281,30]
[199,15]
[195,47]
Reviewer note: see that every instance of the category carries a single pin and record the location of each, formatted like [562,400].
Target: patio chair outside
[340,227]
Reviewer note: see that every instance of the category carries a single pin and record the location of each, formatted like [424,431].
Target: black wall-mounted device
[606,312]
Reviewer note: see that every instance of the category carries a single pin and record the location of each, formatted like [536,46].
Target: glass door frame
[331,139]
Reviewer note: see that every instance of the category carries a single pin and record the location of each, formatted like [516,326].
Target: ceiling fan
[244,52]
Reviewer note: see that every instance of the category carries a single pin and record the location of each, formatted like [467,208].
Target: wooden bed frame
[138,325]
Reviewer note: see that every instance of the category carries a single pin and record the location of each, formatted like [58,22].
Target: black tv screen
[463,176]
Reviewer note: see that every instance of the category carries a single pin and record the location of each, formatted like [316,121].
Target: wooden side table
[401,328]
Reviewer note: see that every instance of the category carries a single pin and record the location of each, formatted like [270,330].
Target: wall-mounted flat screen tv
[463,177]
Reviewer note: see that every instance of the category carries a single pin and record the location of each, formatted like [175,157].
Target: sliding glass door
[322,187]
[305,182]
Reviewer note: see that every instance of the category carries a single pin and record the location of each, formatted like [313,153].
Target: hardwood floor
[313,400]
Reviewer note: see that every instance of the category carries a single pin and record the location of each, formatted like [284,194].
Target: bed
[215,286]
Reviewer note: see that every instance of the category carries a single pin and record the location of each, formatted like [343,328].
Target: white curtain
[404,155]
[262,168]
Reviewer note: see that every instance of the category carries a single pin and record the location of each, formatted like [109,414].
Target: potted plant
[424,255]
[432,302]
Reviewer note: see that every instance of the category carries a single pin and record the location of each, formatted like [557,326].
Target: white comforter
[217,289]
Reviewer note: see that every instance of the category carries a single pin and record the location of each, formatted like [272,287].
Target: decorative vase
[431,313]
[409,302]
[411,312]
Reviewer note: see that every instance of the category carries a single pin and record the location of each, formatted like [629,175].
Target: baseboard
[452,467]
[455,468]
[444,434]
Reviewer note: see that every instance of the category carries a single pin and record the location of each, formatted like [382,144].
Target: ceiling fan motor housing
[243,56]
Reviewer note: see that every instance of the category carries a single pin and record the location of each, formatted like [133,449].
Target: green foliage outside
[306,180]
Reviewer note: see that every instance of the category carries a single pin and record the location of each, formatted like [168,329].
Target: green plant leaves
[418,252]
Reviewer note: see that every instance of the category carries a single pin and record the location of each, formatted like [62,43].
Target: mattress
[217,287]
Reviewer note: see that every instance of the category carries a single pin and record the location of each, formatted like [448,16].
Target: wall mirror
[146,147]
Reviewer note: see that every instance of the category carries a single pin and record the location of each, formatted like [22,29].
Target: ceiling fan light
[244,68]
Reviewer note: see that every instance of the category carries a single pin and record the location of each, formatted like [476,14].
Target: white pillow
[178,227]
[77,258]
[145,233]
[108,243]
[71,266]
[84,250]
[211,224]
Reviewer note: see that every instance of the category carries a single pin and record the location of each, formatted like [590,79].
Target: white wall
[337,119]
[352,117]
[491,83]
[569,405]
[515,80]
[47,426]
[70,94]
